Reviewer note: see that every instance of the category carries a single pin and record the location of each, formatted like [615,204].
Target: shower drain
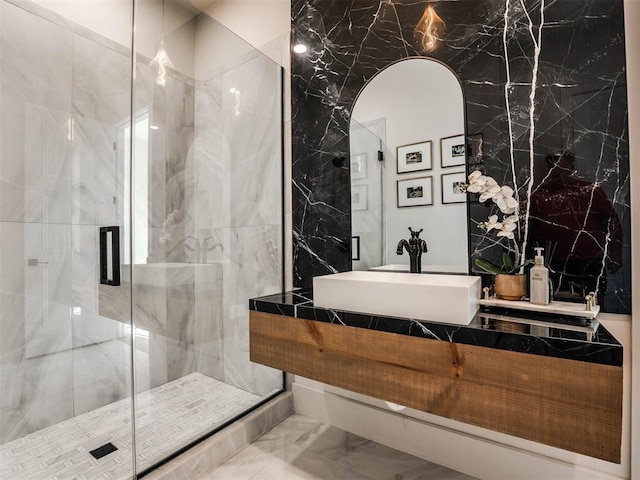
[105,449]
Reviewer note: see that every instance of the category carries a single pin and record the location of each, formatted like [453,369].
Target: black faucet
[415,247]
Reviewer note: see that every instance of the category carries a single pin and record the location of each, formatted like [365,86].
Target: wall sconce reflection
[429,29]
[236,108]
[162,62]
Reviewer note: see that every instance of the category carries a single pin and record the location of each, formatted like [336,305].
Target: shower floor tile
[167,418]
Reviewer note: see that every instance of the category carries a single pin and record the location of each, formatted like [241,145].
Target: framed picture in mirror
[452,151]
[359,166]
[359,197]
[415,192]
[454,187]
[414,157]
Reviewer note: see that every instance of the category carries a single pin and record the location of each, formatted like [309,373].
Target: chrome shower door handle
[110,256]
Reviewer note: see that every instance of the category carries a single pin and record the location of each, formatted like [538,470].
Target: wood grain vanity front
[573,405]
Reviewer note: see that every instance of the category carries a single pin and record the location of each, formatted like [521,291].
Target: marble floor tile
[168,417]
[301,448]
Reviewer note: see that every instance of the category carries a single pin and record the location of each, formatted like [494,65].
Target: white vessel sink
[437,298]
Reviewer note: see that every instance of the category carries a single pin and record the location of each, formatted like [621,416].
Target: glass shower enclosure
[140,209]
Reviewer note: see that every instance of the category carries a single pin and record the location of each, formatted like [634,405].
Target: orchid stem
[517,255]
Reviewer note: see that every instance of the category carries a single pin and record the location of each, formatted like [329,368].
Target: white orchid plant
[506,227]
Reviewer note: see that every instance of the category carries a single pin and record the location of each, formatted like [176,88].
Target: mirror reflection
[412,112]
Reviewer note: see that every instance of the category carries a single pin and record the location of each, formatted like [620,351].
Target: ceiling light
[300,48]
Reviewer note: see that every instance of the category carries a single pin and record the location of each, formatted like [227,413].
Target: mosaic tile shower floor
[168,417]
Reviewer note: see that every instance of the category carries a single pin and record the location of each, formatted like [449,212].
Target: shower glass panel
[207,223]
[65,365]
[367,194]
[180,171]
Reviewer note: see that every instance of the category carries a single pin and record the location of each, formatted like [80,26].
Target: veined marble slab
[537,77]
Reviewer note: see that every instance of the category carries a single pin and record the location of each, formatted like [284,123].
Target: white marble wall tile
[12,258]
[115,302]
[90,184]
[211,187]
[37,392]
[254,269]
[150,308]
[12,307]
[50,245]
[35,164]
[179,102]
[36,105]
[101,83]
[44,59]
[101,79]
[87,328]
[171,109]
[165,306]
[237,173]
[207,331]
[157,371]
[251,140]
[47,288]
[258,82]
[181,339]
[147,100]
[47,177]
[101,375]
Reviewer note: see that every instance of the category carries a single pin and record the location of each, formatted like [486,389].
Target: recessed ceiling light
[154,127]
[300,48]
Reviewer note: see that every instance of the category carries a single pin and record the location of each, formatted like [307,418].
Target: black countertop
[560,337]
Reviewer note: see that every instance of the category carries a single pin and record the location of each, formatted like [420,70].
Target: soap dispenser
[539,280]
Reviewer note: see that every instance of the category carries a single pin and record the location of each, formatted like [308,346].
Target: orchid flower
[492,223]
[503,198]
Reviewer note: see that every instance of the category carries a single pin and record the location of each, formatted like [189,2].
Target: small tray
[590,327]
[554,308]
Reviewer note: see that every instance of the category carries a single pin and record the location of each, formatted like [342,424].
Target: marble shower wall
[213,237]
[538,76]
[63,93]
[235,201]
[215,221]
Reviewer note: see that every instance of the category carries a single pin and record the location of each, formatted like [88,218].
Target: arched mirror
[413,113]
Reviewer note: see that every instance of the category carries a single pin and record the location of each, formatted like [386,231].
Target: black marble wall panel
[537,77]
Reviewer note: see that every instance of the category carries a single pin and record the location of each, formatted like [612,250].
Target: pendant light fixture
[429,30]
[162,61]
